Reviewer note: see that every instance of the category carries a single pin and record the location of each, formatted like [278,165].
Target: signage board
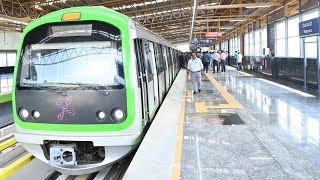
[309,28]
[213,34]
[203,41]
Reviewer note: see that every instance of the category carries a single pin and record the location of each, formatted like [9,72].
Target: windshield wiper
[89,86]
[56,90]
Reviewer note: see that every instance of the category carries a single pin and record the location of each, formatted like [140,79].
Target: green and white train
[87,81]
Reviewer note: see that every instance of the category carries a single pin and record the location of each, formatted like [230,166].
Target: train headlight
[118,114]
[101,115]
[35,114]
[23,113]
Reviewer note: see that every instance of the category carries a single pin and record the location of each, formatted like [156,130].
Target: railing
[6,83]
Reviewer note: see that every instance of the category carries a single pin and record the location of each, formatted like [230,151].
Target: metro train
[87,82]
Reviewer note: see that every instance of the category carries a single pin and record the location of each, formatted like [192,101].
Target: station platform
[238,127]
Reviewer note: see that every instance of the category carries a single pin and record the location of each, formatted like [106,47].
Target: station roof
[175,20]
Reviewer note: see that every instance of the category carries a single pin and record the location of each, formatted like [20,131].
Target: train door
[169,65]
[166,66]
[142,82]
[160,71]
[151,76]
[173,64]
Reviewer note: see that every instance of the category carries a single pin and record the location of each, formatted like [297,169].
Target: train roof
[144,33]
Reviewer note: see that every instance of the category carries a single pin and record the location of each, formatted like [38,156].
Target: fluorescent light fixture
[226,27]
[250,7]
[14,21]
[193,18]
[237,20]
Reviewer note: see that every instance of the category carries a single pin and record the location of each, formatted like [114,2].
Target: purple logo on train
[64,108]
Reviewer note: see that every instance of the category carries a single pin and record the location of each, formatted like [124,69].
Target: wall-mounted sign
[309,28]
[203,41]
[213,34]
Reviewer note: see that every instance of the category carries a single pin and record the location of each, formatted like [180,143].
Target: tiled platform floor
[278,140]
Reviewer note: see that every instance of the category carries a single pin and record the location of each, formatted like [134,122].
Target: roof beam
[224,19]
[252,5]
[156,8]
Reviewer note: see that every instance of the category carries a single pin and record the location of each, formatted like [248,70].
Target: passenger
[223,61]
[195,67]
[206,61]
[227,58]
[236,58]
[239,60]
[216,60]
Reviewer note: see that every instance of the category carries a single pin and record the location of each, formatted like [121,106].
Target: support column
[241,36]
[318,45]
[303,52]
[286,36]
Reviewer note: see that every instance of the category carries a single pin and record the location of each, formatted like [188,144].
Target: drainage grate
[223,119]
[231,119]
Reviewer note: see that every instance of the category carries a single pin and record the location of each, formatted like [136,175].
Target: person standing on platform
[216,60]
[227,58]
[236,58]
[223,61]
[195,67]
[206,61]
[239,61]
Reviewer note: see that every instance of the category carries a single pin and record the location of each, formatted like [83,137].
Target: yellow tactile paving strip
[232,102]
[200,107]
[177,157]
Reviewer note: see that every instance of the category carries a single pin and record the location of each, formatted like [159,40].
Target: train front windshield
[89,54]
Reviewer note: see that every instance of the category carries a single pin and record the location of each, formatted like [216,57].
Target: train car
[87,81]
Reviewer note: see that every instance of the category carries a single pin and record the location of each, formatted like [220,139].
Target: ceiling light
[237,20]
[14,21]
[256,7]
[226,27]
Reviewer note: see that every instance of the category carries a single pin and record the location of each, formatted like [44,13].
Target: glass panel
[294,47]
[246,38]
[310,15]
[3,61]
[252,49]
[280,52]
[280,29]
[311,50]
[257,36]
[11,59]
[311,39]
[264,35]
[246,49]
[67,58]
[251,38]
[293,26]
[258,49]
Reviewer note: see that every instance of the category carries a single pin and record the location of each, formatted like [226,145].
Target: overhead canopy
[175,20]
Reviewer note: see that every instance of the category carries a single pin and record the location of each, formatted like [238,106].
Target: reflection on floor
[240,127]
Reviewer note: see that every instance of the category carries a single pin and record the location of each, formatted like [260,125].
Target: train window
[159,58]
[149,59]
[168,57]
[165,58]
[138,58]
[65,58]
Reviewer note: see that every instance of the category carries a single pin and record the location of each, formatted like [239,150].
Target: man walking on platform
[206,61]
[195,67]
[216,60]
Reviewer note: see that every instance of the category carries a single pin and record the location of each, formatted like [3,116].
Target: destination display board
[309,28]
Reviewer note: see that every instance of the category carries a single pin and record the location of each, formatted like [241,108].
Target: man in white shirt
[216,61]
[195,67]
